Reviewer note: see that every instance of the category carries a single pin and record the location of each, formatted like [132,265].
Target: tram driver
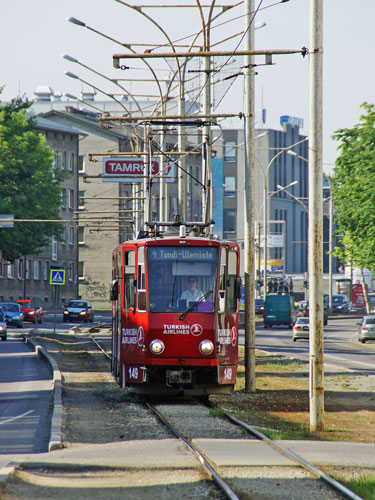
[192,293]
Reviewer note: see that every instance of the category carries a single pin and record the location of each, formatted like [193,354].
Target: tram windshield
[181,278]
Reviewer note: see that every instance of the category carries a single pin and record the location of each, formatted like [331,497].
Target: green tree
[29,183]
[353,189]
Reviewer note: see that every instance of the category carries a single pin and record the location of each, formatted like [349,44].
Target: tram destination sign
[190,254]
[127,169]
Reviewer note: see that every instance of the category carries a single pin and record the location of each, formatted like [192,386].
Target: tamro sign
[127,169]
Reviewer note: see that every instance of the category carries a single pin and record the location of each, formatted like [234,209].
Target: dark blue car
[12,313]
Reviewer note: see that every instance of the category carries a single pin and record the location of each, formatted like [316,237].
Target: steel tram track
[315,471]
[209,467]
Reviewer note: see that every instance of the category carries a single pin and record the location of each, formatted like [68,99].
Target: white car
[301,329]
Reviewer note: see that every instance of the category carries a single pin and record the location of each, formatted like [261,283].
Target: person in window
[192,294]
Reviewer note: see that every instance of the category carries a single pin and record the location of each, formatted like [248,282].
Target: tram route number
[227,374]
[134,374]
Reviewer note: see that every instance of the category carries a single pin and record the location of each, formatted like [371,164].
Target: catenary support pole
[315,243]
[249,201]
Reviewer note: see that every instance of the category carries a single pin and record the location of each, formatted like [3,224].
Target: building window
[230,151]
[229,221]
[71,198]
[63,163]
[196,175]
[45,271]
[197,210]
[278,253]
[71,162]
[189,179]
[81,269]
[229,186]
[27,269]
[71,272]
[71,235]
[57,157]
[81,164]
[63,198]
[36,269]
[11,270]
[3,269]
[63,236]
[20,269]
[81,235]
[81,200]
[54,248]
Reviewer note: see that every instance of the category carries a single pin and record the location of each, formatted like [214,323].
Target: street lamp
[265,173]
[294,198]
[69,58]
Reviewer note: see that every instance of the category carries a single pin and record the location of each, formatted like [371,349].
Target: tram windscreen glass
[181,278]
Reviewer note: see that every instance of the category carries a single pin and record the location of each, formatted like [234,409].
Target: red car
[32,310]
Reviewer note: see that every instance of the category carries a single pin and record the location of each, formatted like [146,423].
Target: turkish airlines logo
[196,329]
[234,336]
[140,336]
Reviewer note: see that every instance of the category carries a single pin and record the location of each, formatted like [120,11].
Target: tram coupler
[179,377]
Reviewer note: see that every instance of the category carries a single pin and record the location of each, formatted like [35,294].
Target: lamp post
[265,173]
[330,231]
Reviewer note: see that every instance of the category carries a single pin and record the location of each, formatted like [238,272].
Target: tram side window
[232,283]
[141,281]
[222,283]
[129,278]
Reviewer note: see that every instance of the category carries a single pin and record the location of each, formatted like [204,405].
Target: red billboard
[127,169]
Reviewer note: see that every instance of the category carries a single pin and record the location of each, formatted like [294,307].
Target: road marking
[346,360]
[18,416]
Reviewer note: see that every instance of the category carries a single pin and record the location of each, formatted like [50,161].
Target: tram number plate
[134,374]
[227,374]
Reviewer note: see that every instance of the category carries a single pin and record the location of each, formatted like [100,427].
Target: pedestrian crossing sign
[57,277]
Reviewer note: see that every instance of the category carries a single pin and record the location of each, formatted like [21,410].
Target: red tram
[175,314]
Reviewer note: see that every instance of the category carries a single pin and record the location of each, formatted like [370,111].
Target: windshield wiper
[190,308]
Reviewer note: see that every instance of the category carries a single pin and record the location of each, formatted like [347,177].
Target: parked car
[301,305]
[3,326]
[279,310]
[79,310]
[305,314]
[32,310]
[259,306]
[366,329]
[13,314]
[340,304]
[301,329]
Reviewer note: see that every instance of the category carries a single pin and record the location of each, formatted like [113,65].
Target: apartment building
[29,277]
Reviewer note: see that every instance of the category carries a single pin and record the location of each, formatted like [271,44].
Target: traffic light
[259,283]
[306,284]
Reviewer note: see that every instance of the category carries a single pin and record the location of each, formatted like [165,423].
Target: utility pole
[315,243]
[249,200]
[207,132]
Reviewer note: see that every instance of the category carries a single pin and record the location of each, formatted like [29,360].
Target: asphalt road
[26,389]
[341,346]
[25,398]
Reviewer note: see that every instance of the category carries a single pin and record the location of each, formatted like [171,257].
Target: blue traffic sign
[57,277]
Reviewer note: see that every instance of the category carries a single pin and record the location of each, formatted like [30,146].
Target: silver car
[301,329]
[366,329]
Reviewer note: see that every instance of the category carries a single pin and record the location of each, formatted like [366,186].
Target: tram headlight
[157,346]
[206,347]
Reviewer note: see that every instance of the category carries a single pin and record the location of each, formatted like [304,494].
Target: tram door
[116,292]
[228,304]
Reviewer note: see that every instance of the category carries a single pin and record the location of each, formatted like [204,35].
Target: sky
[35,33]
